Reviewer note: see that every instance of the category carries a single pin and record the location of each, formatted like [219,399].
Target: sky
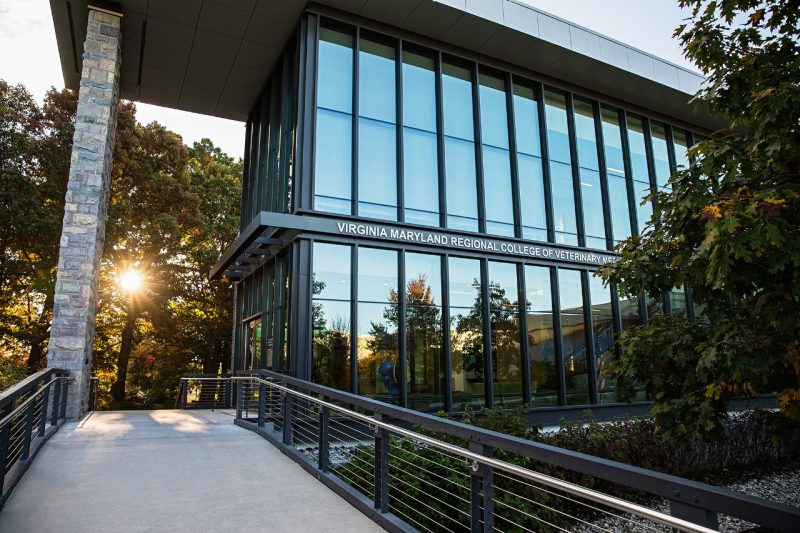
[27,25]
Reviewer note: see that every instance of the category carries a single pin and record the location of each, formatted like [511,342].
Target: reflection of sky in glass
[570,291]
[332,267]
[585,134]
[526,121]
[505,276]
[555,108]
[660,153]
[537,288]
[428,267]
[463,275]
[377,274]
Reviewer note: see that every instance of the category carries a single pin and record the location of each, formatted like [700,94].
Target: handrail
[22,431]
[689,499]
[206,399]
[477,459]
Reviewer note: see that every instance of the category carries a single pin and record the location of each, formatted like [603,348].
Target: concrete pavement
[170,471]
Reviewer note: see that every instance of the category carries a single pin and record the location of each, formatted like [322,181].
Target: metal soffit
[213,56]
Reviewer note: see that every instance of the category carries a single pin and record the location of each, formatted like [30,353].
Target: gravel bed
[781,486]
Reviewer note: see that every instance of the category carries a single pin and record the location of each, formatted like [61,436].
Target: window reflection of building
[573,337]
[466,333]
[253,345]
[541,347]
[506,355]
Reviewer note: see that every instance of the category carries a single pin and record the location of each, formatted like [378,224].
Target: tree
[728,230]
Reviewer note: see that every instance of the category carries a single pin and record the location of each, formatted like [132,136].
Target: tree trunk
[41,333]
[118,387]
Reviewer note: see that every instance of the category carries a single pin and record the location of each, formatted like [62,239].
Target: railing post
[481,482]
[228,395]
[56,402]
[693,513]
[381,480]
[239,398]
[27,432]
[262,404]
[5,437]
[324,448]
[64,391]
[287,418]
[43,414]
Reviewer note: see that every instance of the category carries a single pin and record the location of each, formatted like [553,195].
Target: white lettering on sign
[473,243]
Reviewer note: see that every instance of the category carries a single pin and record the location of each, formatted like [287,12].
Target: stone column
[84,229]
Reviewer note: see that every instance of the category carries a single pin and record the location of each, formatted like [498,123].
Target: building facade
[421,224]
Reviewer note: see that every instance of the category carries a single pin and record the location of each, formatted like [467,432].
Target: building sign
[474,243]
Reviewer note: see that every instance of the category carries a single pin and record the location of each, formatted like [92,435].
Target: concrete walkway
[170,471]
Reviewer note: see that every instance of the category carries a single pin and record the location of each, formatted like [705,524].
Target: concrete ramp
[170,471]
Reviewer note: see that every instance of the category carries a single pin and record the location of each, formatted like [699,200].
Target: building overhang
[213,57]
[269,232]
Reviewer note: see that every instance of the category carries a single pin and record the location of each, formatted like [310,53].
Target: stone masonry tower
[84,228]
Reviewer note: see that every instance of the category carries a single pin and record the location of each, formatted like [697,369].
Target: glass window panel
[612,142]
[377,169]
[644,210]
[378,359]
[677,300]
[593,219]
[457,102]
[603,330]
[462,191]
[531,193]
[423,279]
[333,162]
[585,134]
[618,207]
[377,275]
[658,134]
[376,81]
[506,355]
[421,177]
[636,142]
[526,121]
[466,333]
[494,113]
[555,107]
[331,271]
[335,75]
[565,225]
[541,346]
[680,142]
[498,191]
[419,92]
[424,332]
[330,358]
[573,337]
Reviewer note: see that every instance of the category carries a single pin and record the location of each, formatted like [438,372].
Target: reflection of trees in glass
[330,342]
[505,335]
[423,334]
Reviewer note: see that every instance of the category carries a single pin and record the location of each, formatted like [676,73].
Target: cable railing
[30,413]
[204,391]
[413,471]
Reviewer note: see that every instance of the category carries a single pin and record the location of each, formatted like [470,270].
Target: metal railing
[204,391]
[413,471]
[30,413]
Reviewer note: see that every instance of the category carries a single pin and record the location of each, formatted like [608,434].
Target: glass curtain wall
[565,224]
[331,316]
[459,148]
[424,332]
[529,164]
[377,131]
[466,333]
[589,173]
[379,374]
[458,166]
[420,143]
[479,302]
[498,191]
